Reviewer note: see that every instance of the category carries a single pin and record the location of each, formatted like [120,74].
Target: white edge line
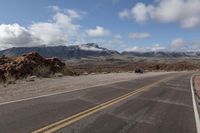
[196,114]
[79,89]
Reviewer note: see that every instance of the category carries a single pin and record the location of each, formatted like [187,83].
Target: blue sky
[132,25]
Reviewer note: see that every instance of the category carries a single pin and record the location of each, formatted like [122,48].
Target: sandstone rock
[23,66]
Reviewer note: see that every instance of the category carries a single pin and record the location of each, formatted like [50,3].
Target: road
[159,104]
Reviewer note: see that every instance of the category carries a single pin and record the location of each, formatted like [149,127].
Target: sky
[122,25]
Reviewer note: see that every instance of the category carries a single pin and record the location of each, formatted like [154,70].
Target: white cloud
[48,33]
[14,35]
[60,30]
[152,48]
[98,32]
[138,35]
[157,47]
[73,14]
[177,43]
[54,8]
[90,48]
[180,44]
[65,20]
[124,14]
[135,49]
[140,12]
[116,43]
[185,12]
[190,22]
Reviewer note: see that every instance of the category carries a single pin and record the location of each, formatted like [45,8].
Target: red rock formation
[24,65]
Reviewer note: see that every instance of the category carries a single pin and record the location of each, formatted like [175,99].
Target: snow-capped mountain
[65,52]
[90,50]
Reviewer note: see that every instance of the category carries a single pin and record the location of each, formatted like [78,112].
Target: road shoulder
[195,88]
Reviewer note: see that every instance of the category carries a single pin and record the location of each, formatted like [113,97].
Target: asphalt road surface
[159,104]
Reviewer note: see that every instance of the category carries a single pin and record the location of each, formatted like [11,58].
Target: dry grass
[42,71]
[68,72]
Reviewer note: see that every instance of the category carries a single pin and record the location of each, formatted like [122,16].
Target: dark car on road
[139,70]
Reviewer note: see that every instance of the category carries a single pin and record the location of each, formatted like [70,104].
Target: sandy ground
[24,89]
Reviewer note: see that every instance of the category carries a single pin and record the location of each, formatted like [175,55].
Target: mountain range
[89,50]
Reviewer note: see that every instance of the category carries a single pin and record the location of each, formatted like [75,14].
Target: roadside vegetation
[42,71]
[68,72]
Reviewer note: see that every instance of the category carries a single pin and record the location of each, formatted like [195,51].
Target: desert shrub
[68,72]
[1,81]
[42,71]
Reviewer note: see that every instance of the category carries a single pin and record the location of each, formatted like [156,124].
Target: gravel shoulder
[23,89]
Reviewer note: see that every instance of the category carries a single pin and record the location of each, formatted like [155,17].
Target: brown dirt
[95,67]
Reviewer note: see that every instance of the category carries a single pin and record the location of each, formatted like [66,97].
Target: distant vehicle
[139,70]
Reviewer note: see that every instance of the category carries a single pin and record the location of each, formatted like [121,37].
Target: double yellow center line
[74,118]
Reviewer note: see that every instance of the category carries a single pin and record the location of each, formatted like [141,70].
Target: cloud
[185,12]
[98,32]
[117,36]
[60,30]
[180,44]
[14,35]
[73,14]
[54,8]
[66,20]
[138,35]
[190,22]
[140,12]
[48,33]
[152,48]
[124,14]
[70,12]
[157,47]
[116,43]
[135,49]
[177,43]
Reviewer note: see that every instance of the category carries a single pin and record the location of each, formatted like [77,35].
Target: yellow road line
[74,118]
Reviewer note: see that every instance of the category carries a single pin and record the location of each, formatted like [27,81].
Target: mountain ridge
[89,50]
[65,52]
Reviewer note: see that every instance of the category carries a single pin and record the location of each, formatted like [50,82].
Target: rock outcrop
[22,66]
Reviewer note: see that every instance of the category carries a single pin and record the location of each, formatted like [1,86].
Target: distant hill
[89,50]
[64,52]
